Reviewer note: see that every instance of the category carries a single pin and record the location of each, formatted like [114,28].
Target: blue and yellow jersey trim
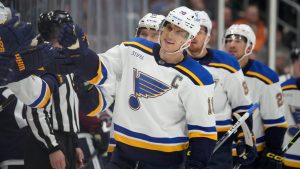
[101,106]
[144,141]
[261,72]
[280,122]
[111,146]
[291,160]
[202,132]
[243,108]
[224,66]
[290,84]
[223,125]
[141,44]
[223,60]
[289,87]
[43,98]
[100,77]
[195,72]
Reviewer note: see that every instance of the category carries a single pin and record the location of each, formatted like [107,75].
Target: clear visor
[235,38]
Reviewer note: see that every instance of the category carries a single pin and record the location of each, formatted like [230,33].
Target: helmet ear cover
[51,23]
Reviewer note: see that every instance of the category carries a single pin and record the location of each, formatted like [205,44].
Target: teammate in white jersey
[291,96]
[230,91]
[269,124]
[164,100]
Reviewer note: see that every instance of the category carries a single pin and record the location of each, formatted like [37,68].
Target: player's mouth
[169,42]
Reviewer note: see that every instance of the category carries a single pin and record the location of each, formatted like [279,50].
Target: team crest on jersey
[147,87]
[295,112]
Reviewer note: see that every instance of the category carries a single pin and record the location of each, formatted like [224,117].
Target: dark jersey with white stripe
[59,115]
[12,119]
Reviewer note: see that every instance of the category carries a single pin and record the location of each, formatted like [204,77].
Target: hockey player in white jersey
[231,95]
[291,96]
[148,27]
[269,124]
[164,100]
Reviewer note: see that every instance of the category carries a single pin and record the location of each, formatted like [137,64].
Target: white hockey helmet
[204,20]
[242,30]
[151,21]
[3,14]
[184,18]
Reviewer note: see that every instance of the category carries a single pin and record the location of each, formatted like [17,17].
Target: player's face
[172,38]
[198,42]
[235,45]
[149,34]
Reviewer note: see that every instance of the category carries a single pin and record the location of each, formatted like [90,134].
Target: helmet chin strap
[203,47]
[245,54]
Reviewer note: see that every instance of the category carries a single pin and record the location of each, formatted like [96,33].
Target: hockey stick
[235,126]
[289,145]
[293,140]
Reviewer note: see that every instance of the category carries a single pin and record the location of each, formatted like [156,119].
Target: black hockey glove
[271,159]
[15,35]
[101,136]
[246,154]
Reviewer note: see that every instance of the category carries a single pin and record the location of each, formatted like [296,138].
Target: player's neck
[173,58]
[244,61]
[197,54]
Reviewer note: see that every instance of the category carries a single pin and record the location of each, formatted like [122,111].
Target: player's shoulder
[221,59]
[291,84]
[141,44]
[262,72]
[195,72]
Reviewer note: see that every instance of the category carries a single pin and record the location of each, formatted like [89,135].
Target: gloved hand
[246,154]
[271,159]
[24,63]
[79,58]
[101,136]
[15,35]
[73,40]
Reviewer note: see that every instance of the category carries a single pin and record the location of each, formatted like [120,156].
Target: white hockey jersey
[291,96]
[264,88]
[230,93]
[32,91]
[158,106]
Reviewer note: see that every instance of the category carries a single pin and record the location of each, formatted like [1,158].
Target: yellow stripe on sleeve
[191,74]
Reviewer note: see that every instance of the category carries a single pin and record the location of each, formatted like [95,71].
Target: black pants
[37,157]
[120,161]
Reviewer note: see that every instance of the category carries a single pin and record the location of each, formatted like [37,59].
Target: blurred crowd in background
[109,22]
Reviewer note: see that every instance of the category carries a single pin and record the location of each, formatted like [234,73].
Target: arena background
[109,22]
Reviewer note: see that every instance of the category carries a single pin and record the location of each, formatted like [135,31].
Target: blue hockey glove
[246,154]
[15,35]
[24,63]
[73,40]
[79,58]
[271,159]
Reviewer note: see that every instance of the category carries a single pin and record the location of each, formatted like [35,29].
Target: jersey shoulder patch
[290,84]
[195,72]
[262,72]
[224,60]
[141,44]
